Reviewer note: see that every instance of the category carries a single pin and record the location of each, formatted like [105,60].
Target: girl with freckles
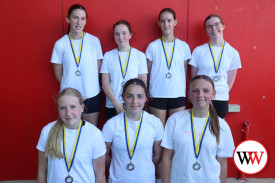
[196,141]
[118,66]
[67,152]
[218,60]
[134,138]
[77,60]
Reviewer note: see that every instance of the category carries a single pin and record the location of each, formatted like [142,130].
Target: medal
[69,164]
[131,151]
[196,166]
[123,83]
[77,73]
[124,69]
[69,179]
[216,78]
[168,62]
[130,166]
[197,147]
[77,60]
[216,65]
[168,75]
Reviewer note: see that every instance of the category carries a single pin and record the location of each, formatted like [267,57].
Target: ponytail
[214,125]
[53,147]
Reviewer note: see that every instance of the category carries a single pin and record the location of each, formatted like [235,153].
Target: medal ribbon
[77,60]
[216,65]
[70,163]
[132,150]
[124,70]
[197,147]
[169,62]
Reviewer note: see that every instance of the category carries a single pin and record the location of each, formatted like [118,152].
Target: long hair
[169,10]
[53,145]
[214,125]
[135,81]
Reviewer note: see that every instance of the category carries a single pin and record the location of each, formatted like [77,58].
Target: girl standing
[119,65]
[134,137]
[67,152]
[77,60]
[167,64]
[197,142]
[218,60]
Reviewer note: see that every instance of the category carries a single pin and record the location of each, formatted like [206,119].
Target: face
[134,99]
[214,27]
[77,21]
[122,35]
[167,23]
[201,93]
[70,111]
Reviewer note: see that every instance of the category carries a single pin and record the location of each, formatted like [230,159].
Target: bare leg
[159,113]
[172,111]
[91,118]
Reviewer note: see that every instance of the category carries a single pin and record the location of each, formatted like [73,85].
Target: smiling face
[214,27]
[77,21]
[122,35]
[167,23]
[201,93]
[134,99]
[70,110]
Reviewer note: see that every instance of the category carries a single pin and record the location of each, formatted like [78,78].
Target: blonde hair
[53,146]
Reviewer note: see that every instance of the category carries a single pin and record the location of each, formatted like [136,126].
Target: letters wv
[249,157]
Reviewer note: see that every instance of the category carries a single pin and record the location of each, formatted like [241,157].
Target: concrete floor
[230,180]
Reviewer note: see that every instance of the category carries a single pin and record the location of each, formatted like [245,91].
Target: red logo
[250,157]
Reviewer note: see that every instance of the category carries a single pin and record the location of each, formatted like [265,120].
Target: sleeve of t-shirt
[57,53]
[104,65]
[187,52]
[226,146]
[149,52]
[99,148]
[236,61]
[142,67]
[168,137]
[41,146]
[159,129]
[194,58]
[99,54]
[107,131]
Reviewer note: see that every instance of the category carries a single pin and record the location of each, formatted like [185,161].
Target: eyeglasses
[215,25]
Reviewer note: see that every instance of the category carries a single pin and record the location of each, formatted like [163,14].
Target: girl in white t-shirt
[134,137]
[197,142]
[67,152]
[77,60]
[218,60]
[167,65]
[118,66]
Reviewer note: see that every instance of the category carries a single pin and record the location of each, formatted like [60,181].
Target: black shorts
[110,112]
[167,103]
[221,107]
[92,104]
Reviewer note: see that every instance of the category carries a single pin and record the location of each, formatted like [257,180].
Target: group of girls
[195,143]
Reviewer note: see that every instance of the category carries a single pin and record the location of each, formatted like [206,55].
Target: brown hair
[135,81]
[53,145]
[214,125]
[211,16]
[123,22]
[169,10]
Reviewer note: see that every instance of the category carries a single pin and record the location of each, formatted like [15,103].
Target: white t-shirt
[178,136]
[159,85]
[202,59]
[113,131]
[88,82]
[90,146]
[111,64]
